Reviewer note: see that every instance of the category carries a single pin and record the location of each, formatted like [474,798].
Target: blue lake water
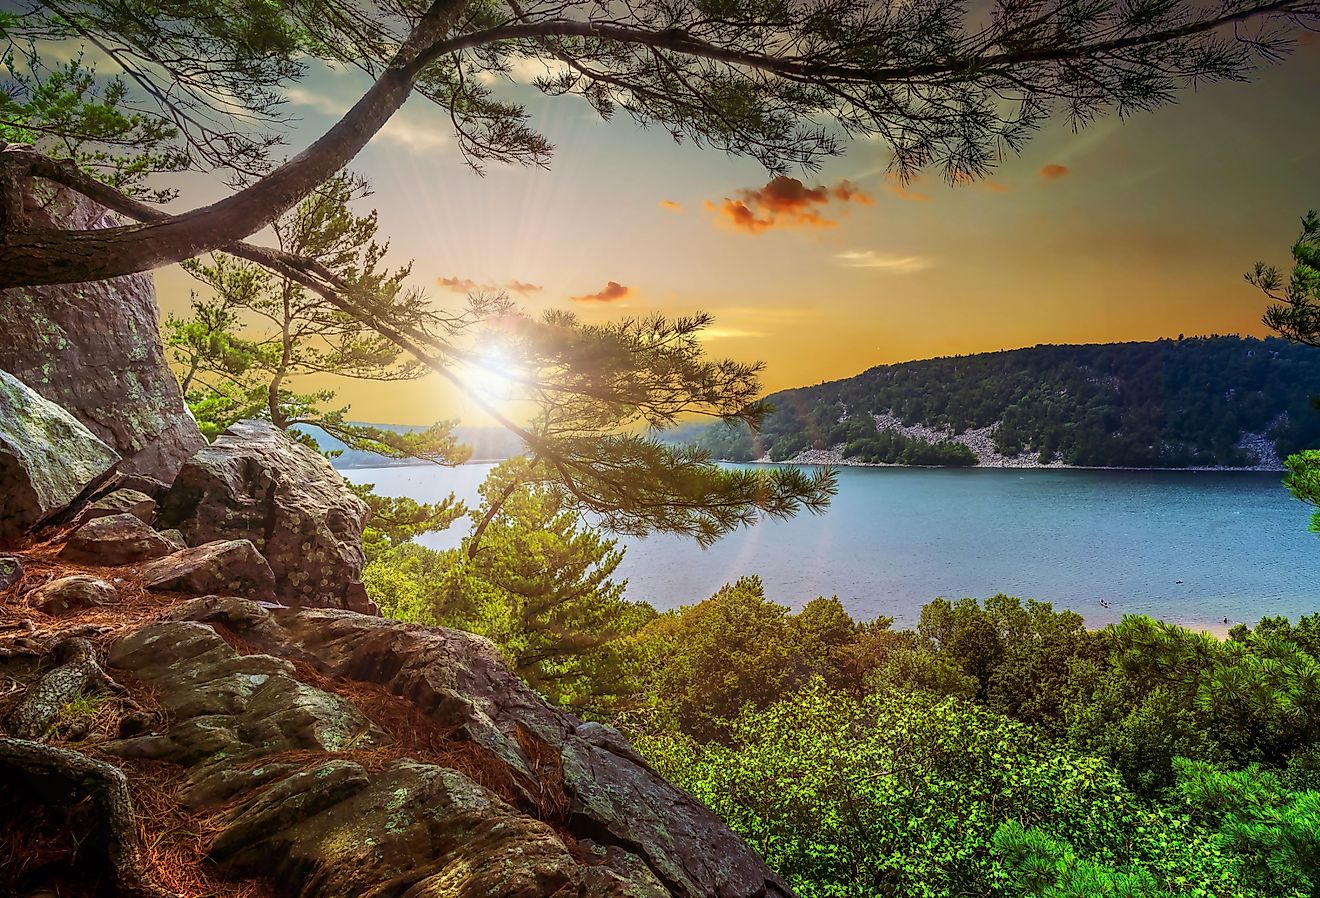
[1191,547]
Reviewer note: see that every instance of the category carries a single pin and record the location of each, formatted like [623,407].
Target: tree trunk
[30,258]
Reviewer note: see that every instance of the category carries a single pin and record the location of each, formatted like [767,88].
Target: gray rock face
[648,838]
[115,539]
[95,349]
[231,566]
[255,483]
[69,595]
[121,501]
[47,458]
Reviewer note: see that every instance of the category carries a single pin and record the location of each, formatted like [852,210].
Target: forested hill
[1172,403]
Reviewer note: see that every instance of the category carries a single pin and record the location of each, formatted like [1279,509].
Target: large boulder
[644,837]
[255,483]
[230,565]
[95,349]
[48,459]
[115,539]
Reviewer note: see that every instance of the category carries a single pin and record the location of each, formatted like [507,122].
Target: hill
[1211,401]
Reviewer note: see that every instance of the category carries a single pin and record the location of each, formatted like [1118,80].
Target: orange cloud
[612,292]
[467,285]
[785,202]
[896,185]
[1054,172]
[671,206]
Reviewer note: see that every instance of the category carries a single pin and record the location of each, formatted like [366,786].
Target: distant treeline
[1171,403]
[488,444]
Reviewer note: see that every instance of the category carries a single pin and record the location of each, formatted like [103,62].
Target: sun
[495,376]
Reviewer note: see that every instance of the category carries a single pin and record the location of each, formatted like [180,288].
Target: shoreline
[820,459]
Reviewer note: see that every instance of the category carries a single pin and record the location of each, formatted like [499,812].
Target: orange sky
[1125,231]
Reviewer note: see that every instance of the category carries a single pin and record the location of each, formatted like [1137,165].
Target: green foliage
[1294,313]
[241,350]
[70,113]
[1275,831]
[734,649]
[904,793]
[535,581]
[1303,480]
[1167,404]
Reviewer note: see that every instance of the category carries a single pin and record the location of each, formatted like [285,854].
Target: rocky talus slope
[194,703]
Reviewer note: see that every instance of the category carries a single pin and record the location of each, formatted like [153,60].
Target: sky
[1125,230]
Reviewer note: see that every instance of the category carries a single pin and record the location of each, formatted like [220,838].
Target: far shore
[834,459]
[815,460]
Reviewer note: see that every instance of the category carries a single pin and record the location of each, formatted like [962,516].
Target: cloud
[785,202]
[726,333]
[527,69]
[301,96]
[416,136]
[895,185]
[869,258]
[1054,171]
[460,285]
[671,206]
[401,130]
[467,285]
[612,292]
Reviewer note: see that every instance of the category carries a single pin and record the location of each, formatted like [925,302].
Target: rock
[48,460]
[11,572]
[231,566]
[649,838]
[148,486]
[414,828]
[330,828]
[95,349]
[174,538]
[121,501]
[256,483]
[117,539]
[69,595]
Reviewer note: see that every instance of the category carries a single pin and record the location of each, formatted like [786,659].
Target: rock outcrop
[255,483]
[48,459]
[628,831]
[95,350]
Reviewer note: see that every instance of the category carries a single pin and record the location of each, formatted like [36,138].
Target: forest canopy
[1171,403]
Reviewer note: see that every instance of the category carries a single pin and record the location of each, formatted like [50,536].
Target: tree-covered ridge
[1170,403]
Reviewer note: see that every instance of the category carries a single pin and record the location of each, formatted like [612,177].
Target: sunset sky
[1127,230]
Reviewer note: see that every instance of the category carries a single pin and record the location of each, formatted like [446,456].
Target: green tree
[1276,831]
[940,86]
[734,649]
[903,794]
[242,352]
[1294,314]
[536,581]
[71,115]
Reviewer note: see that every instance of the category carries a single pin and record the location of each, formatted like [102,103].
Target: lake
[1191,547]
